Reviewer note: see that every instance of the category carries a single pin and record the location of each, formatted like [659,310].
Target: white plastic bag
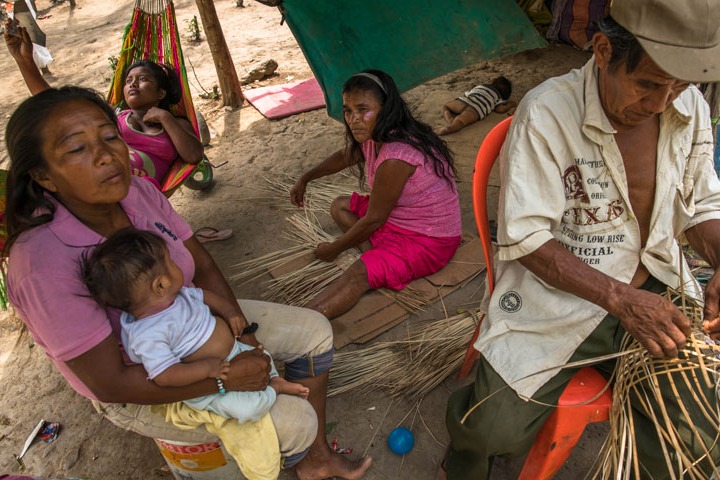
[42,56]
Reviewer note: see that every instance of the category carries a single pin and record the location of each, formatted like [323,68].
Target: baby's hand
[237,324]
[217,368]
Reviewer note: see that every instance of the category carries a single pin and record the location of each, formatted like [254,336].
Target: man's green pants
[505,425]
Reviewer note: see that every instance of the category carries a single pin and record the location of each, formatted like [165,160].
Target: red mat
[278,101]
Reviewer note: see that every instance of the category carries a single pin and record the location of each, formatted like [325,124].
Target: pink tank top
[428,204]
[151,154]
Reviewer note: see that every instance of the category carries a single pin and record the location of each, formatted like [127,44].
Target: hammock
[152,34]
[3,239]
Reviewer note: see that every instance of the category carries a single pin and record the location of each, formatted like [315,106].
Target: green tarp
[412,40]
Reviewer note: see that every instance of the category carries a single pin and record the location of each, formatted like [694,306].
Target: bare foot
[331,464]
[441,130]
[448,115]
[441,473]
[280,385]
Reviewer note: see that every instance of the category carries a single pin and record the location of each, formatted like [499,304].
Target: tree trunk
[227,76]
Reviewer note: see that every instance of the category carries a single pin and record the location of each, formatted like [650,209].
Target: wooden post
[227,76]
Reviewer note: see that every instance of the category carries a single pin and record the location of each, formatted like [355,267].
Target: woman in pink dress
[409,225]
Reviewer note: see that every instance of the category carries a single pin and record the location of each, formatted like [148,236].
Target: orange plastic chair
[587,398]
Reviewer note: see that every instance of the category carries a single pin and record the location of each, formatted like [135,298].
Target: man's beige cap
[681,36]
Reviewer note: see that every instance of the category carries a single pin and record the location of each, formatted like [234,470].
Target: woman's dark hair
[27,206]
[128,259]
[166,78]
[395,123]
[625,47]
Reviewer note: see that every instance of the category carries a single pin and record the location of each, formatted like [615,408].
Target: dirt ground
[246,147]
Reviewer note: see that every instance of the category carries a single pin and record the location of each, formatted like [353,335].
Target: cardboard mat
[378,311]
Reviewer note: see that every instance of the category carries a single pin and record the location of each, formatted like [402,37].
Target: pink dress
[422,233]
[151,154]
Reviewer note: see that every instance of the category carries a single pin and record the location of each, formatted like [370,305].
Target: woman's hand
[237,324]
[157,116]
[249,371]
[297,193]
[20,47]
[327,252]
[18,41]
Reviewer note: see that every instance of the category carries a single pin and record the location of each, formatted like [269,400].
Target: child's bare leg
[465,118]
[280,385]
[453,108]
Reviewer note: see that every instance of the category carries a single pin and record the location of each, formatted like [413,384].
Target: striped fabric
[574,21]
[483,98]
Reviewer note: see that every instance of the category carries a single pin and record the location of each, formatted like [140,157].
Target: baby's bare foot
[280,385]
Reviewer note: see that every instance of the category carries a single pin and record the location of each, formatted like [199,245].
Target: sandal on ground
[210,234]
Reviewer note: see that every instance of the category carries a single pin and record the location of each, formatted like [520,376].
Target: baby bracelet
[220,385]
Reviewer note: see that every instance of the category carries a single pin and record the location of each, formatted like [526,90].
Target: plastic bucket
[198,461]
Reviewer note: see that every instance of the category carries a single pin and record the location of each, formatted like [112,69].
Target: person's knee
[357,273]
[320,331]
[143,420]
[339,207]
[296,424]
[309,366]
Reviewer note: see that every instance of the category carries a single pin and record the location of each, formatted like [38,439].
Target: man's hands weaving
[653,321]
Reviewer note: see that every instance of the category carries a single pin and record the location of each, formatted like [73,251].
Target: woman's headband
[374,78]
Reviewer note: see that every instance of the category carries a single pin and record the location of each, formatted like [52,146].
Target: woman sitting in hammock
[411,218]
[153,134]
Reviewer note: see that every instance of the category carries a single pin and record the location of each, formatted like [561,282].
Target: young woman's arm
[103,371]
[21,49]
[180,131]
[209,277]
[390,180]
[336,162]
[187,373]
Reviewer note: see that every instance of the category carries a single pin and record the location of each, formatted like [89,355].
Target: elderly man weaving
[602,170]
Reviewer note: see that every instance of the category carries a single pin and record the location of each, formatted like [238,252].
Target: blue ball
[401,440]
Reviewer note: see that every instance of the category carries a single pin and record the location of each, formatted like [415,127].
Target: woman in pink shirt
[409,225]
[69,187]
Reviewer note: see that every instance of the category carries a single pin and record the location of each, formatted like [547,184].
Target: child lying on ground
[171,329]
[477,104]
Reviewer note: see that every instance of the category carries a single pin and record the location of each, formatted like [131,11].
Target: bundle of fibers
[299,287]
[431,353]
[319,195]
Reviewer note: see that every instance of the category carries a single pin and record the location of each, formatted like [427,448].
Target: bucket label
[196,458]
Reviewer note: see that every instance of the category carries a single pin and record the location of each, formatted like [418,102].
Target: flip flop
[210,234]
